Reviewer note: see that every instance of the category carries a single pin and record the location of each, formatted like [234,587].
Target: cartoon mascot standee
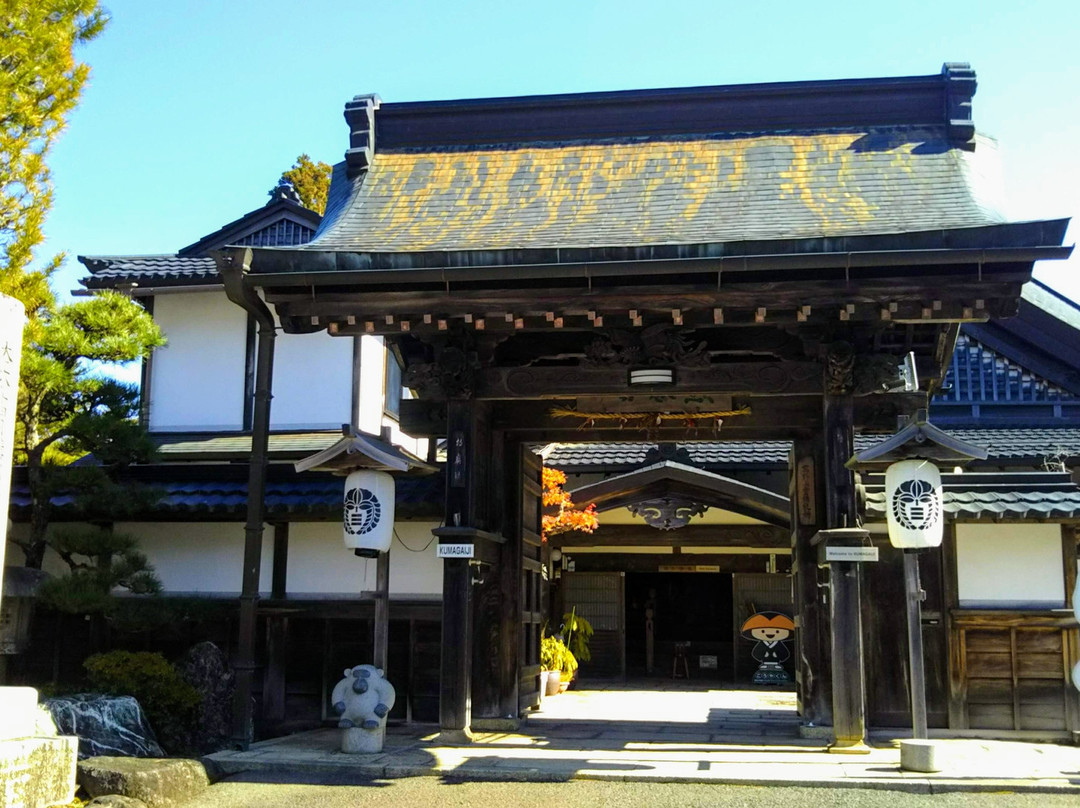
[770,631]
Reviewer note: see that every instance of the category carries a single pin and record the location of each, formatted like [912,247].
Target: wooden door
[532,587]
[599,597]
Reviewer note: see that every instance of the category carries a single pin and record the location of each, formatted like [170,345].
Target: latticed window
[979,374]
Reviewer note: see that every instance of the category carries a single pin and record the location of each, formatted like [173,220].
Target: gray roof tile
[108,271]
[1029,446]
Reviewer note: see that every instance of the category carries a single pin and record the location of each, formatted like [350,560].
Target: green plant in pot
[556,659]
[577,631]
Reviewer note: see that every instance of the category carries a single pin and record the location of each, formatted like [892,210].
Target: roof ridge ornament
[360,115]
[960,86]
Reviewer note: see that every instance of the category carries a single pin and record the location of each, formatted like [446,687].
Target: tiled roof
[576,456]
[107,271]
[995,496]
[314,495]
[203,445]
[1031,446]
[692,190]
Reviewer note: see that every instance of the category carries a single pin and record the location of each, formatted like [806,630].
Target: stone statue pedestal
[355,740]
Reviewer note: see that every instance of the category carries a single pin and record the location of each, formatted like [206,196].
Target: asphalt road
[329,791]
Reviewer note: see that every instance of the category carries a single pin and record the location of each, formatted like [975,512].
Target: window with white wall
[197,378]
[1010,566]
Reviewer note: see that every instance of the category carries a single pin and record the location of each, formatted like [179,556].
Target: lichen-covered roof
[669,191]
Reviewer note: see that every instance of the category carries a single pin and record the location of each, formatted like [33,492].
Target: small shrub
[170,702]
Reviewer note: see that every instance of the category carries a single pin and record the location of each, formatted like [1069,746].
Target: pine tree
[40,84]
[310,181]
[67,409]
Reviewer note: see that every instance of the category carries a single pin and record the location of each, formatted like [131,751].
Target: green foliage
[577,631]
[40,84]
[66,409]
[100,562]
[310,180]
[170,703]
[555,656]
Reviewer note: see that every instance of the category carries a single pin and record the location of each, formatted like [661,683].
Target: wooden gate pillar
[813,672]
[848,680]
[467,465]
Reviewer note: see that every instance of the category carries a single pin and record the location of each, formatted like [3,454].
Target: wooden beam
[813,675]
[280,570]
[757,378]
[956,289]
[771,418]
[845,602]
[691,535]
[648,562]
[382,611]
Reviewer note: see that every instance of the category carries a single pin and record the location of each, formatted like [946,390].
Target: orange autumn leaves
[560,513]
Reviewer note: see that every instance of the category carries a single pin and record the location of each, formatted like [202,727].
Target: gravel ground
[328,791]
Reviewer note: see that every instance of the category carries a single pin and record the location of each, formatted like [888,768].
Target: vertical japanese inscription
[804,489]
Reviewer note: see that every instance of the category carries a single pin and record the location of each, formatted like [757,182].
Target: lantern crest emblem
[916,505]
[362,511]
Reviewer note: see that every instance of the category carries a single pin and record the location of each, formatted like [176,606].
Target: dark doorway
[689,608]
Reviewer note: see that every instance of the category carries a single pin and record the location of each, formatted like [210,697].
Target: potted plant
[577,632]
[558,662]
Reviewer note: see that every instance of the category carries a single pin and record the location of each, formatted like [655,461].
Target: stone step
[158,782]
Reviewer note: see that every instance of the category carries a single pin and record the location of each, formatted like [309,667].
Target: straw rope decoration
[647,420]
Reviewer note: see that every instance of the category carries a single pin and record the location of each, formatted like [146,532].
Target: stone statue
[363,699]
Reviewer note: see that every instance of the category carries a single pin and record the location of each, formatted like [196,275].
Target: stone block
[115,801]
[158,782]
[106,725]
[919,756]
[356,740]
[18,712]
[37,772]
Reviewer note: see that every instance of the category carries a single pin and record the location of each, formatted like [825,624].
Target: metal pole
[915,647]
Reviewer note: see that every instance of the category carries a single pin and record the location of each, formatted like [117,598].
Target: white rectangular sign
[455,551]
[851,553]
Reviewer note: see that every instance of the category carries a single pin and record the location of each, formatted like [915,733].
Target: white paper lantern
[913,504]
[369,512]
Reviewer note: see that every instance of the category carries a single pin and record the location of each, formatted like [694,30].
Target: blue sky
[195,108]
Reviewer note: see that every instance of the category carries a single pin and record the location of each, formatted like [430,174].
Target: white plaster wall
[1010,566]
[197,381]
[372,381]
[312,381]
[320,564]
[200,557]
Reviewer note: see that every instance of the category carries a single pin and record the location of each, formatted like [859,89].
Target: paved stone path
[680,735]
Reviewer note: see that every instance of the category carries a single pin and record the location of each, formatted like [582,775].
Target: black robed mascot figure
[771,630]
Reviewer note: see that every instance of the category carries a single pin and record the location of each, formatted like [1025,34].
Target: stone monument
[363,699]
[37,769]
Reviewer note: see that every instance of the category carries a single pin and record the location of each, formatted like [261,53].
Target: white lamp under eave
[368,525]
[913,504]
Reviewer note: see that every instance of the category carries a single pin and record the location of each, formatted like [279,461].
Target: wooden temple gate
[515,337]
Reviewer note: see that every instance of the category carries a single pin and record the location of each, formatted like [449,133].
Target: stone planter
[543,684]
[552,687]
